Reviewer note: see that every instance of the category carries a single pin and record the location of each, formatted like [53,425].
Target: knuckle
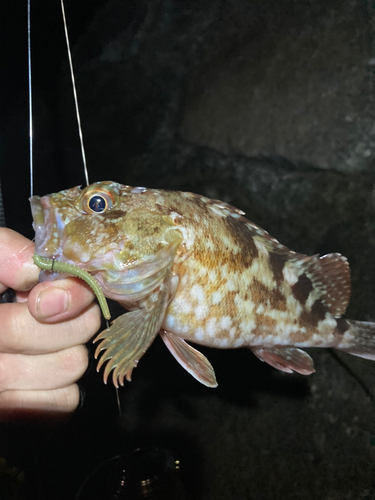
[18,325]
[75,361]
[9,398]
[54,404]
[67,398]
[5,378]
[10,401]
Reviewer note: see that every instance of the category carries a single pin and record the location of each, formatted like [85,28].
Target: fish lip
[38,221]
[44,223]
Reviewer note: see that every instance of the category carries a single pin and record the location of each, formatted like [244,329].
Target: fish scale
[194,269]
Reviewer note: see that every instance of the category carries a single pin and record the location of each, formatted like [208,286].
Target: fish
[195,270]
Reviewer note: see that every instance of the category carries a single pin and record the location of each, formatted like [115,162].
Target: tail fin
[359,339]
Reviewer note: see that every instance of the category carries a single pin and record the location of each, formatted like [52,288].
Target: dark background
[49,60]
[266,105]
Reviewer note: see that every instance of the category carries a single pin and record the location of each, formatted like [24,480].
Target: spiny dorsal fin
[269,242]
[329,275]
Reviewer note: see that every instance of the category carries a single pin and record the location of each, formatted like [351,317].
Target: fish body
[195,269]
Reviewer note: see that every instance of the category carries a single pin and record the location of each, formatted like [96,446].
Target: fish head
[71,225]
[104,227]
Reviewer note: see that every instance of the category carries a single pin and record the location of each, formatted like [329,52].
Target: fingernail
[52,302]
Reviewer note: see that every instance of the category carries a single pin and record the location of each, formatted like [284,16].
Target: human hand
[41,335]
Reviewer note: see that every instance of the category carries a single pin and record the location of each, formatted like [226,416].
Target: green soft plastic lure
[64,267]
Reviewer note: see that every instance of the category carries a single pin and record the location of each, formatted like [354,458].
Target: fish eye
[97,204]
[97,201]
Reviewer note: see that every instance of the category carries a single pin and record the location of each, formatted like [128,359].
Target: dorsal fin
[331,275]
[325,279]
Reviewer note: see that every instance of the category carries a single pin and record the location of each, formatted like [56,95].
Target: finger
[60,300]
[20,333]
[56,403]
[44,371]
[17,269]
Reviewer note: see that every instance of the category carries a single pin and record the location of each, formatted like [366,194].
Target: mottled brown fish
[195,269]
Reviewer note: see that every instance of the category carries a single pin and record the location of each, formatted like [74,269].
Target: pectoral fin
[286,359]
[129,337]
[189,358]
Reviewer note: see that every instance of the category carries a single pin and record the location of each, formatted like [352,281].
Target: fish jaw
[47,243]
[59,235]
[117,246]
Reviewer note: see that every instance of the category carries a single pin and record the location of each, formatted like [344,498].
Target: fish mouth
[46,240]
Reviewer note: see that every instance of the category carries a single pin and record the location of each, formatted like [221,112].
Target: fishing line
[75,94]
[117,389]
[55,265]
[82,144]
[30,98]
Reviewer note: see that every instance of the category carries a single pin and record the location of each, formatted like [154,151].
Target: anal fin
[286,359]
[189,358]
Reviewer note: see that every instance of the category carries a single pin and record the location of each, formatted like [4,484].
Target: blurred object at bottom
[150,473]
